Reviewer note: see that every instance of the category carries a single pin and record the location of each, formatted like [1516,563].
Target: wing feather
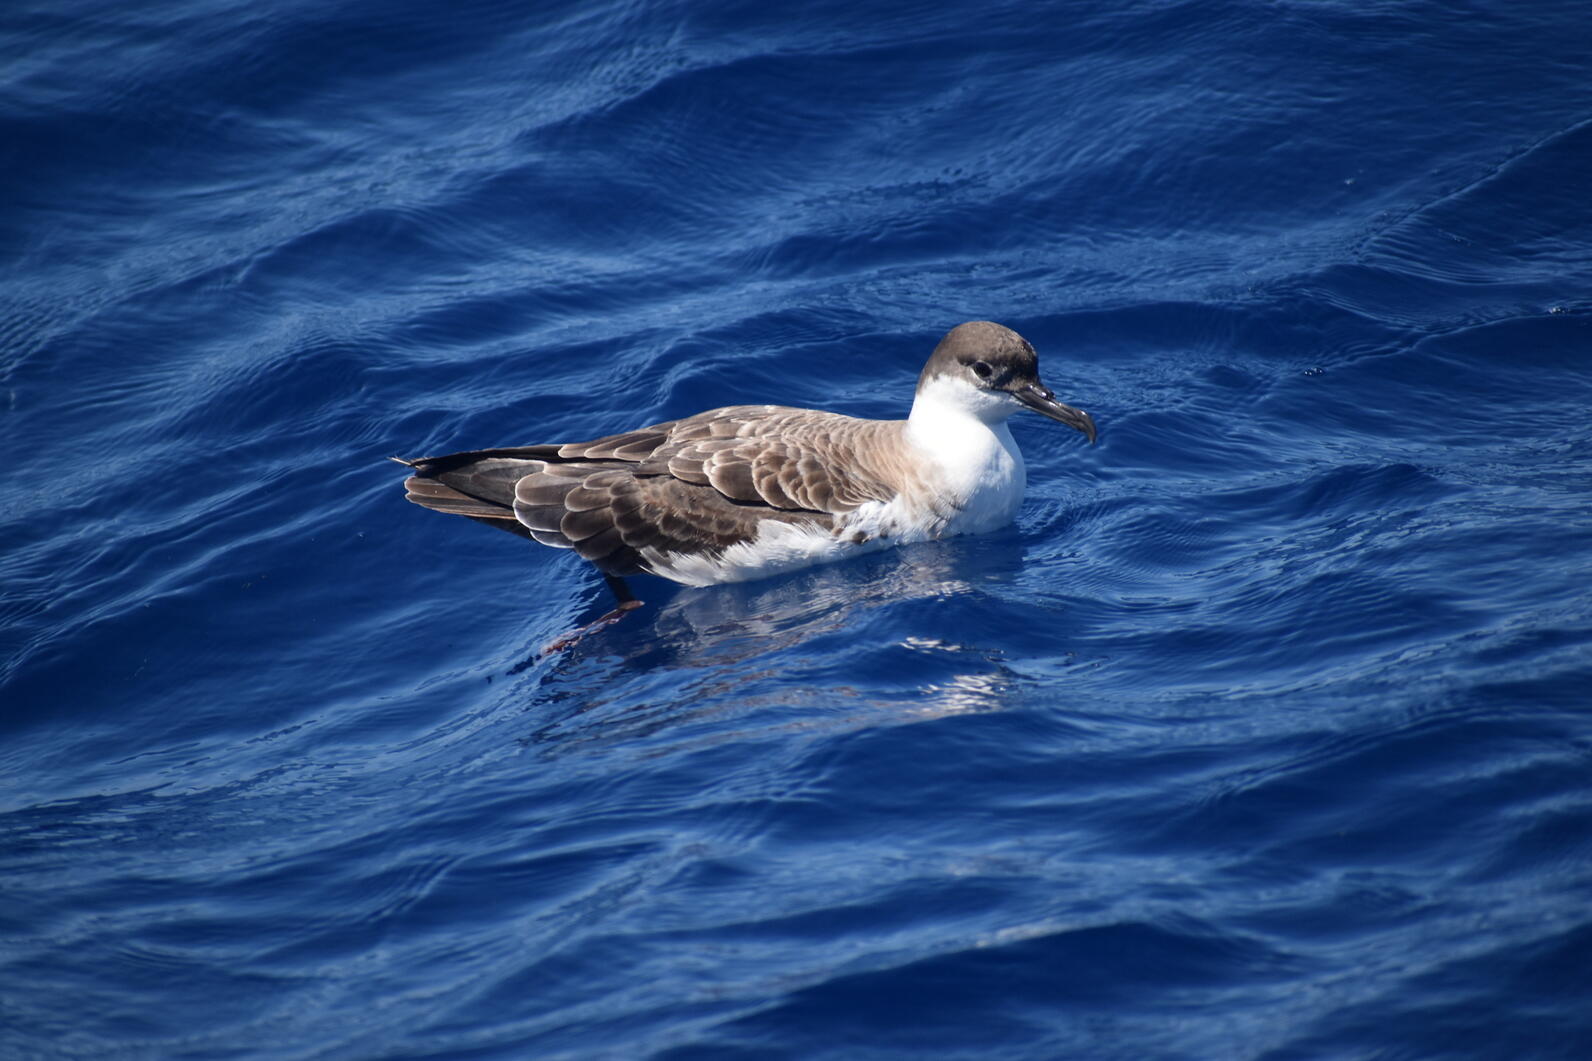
[734,476]
[701,484]
[601,546]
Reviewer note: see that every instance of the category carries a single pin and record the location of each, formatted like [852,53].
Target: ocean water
[1264,732]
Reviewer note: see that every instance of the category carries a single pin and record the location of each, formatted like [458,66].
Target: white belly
[778,548]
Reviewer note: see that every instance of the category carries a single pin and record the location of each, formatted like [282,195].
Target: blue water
[1266,732]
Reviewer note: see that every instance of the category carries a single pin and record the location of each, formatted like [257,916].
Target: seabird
[750,491]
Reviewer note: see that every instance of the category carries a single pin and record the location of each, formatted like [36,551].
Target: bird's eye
[981,369]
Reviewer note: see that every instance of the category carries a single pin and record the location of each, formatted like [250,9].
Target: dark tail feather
[435,494]
[443,498]
[481,485]
[477,485]
[452,461]
[513,526]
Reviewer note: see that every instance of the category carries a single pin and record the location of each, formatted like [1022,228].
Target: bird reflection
[740,648]
[729,624]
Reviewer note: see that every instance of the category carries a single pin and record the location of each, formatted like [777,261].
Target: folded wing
[698,485]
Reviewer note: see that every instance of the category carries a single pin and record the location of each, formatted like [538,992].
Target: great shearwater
[749,491]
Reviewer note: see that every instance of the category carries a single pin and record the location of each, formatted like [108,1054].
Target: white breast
[975,470]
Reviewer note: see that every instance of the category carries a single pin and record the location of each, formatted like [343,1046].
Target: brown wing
[700,484]
[614,517]
[789,459]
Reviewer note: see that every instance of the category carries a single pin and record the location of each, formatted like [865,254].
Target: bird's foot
[573,638]
[624,601]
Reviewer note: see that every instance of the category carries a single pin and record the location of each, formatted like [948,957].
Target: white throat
[944,398]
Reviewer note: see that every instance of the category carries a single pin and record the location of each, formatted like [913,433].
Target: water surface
[1262,733]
